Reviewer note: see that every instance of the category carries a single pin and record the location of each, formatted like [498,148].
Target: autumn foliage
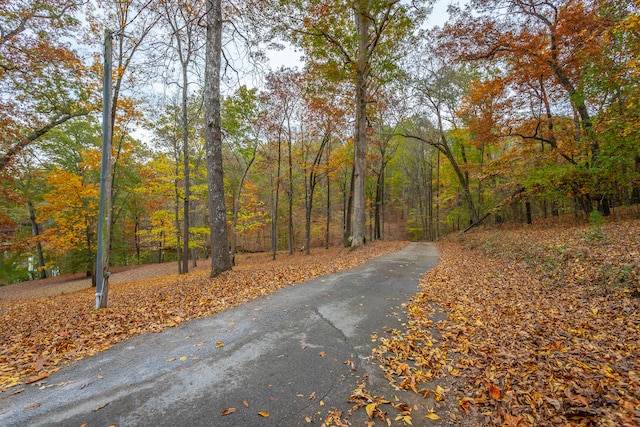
[41,335]
[542,327]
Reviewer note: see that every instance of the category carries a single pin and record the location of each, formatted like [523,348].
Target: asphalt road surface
[278,360]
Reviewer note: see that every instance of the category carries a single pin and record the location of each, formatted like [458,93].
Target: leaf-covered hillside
[543,327]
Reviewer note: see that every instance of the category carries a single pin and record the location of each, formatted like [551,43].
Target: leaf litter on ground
[542,329]
[41,335]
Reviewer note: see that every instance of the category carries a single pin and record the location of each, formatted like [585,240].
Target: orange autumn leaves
[40,335]
[543,326]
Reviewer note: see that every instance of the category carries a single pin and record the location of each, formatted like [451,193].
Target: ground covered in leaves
[40,335]
[543,329]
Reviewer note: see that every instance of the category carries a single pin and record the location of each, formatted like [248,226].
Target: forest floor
[59,285]
[543,327]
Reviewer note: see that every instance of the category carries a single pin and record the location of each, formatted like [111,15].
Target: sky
[290,58]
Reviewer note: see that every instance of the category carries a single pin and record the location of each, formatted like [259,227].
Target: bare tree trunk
[176,213]
[276,197]
[348,212]
[185,155]
[360,140]
[328,225]
[437,234]
[313,181]
[377,213]
[290,213]
[220,257]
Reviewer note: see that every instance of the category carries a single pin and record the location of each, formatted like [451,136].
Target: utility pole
[104,214]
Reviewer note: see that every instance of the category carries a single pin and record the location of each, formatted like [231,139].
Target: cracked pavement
[283,355]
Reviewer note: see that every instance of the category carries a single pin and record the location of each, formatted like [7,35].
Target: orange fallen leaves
[543,326]
[494,392]
[228,411]
[41,334]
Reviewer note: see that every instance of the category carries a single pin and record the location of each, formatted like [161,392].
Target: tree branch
[20,145]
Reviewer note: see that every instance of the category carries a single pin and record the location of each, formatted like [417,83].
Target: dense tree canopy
[512,111]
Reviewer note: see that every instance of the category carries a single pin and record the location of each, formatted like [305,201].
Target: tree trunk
[348,212]
[327,232]
[360,140]
[35,232]
[236,204]
[276,197]
[137,238]
[220,257]
[185,155]
[313,181]
[377,213]
[176,213]
[437,228]
[290,212]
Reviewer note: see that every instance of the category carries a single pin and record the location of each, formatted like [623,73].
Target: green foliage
[14,267]
[595,230]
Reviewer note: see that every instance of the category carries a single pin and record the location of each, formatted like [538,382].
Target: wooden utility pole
[104,214]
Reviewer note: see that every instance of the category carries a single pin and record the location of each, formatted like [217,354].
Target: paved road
[283,354]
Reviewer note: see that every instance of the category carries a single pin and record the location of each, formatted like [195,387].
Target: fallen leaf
[97,408]
[33,405]
[183,358]
[494,392]
[322,354]
[555,403]
[371,408]
[511,421]
[17,392]
[432,416]
[351,365]
[263,414]
[406,419]
[228,411]
[219,344]
[37,378]
[171,359]
[246,403]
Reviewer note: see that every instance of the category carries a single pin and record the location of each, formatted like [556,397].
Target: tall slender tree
[359,41]
[219,235]
[182,19]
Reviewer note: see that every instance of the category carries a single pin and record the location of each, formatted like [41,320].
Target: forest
[509,112]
